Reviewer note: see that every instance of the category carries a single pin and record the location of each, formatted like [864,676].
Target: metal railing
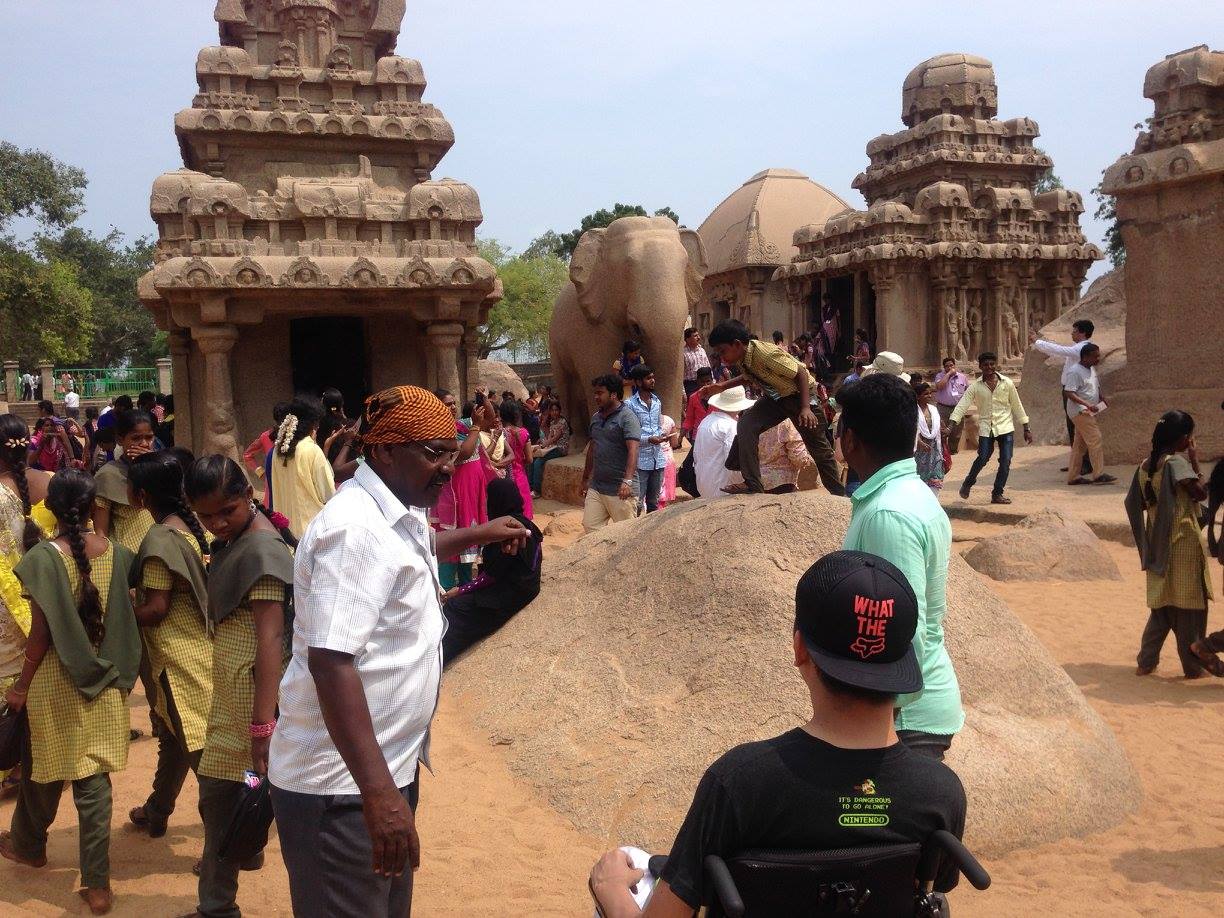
[106,382]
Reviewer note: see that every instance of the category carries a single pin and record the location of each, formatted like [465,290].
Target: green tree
[44,309]
[33,184]
[519,323]
[1107,213]
[567,242]
[1048,180]
[123,329]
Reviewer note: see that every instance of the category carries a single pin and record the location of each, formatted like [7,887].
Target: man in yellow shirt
[999,410]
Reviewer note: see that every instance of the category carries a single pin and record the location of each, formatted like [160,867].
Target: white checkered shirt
[365,583]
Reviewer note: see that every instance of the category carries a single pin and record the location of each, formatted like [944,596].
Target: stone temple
[1170,198]
[306,243]
[957,252]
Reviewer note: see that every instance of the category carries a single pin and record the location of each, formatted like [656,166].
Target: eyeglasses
[438,457]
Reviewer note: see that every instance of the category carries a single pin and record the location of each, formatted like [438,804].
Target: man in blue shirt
[649,411]
[895,515]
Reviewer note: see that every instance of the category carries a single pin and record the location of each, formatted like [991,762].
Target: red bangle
[261,731]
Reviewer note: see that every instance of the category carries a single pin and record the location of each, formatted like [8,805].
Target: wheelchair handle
[949,844]
[724,886]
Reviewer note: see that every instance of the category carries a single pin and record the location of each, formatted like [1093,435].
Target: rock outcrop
[1041,379]
[1050,545]
[500,377]
[657,644]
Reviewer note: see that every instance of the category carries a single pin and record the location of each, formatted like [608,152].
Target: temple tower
[306,243]
[956,253]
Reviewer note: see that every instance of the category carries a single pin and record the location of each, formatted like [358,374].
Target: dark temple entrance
[330,351]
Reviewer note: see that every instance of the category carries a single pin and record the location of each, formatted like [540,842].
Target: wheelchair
[884,881]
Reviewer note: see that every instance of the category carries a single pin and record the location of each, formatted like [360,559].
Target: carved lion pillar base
[220,424]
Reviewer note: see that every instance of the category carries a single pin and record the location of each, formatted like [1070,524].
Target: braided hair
[14,454]
[158,478]
[70,496]
[305,413]
[1172,427]
[217,473]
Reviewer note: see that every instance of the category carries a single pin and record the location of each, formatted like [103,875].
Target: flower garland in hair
[16,442]
[284,434]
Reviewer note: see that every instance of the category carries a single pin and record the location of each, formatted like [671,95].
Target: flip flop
[736,489]
[1080,481]
[1104,479]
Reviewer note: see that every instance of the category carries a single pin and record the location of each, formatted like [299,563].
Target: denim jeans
[536,475]
[1007,445]
[650,483]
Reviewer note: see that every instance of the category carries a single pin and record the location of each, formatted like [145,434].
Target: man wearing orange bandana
[360,691]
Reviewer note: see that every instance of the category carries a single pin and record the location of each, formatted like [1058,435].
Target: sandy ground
[491,847]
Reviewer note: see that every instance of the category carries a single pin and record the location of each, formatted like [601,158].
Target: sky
[560,108]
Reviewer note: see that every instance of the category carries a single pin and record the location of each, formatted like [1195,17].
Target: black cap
[857,614]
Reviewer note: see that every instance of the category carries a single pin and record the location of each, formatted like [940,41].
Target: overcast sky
[562,107]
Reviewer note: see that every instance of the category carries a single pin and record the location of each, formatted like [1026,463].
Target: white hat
[732,400]
[887,362]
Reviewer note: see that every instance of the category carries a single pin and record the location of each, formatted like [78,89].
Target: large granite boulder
[1050,545]
[658,643]
[1041,378]
[500,377]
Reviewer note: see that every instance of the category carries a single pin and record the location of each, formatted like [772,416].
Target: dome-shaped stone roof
[756,224]
[960,84]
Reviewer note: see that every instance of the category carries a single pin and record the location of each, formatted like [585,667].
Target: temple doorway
[330,351]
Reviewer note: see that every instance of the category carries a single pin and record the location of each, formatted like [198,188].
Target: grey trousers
[173,763]
[1187,625]
[327,851]
[218,887]
[932,745]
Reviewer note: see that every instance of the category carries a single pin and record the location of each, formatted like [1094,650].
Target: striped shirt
[773,368]
[365,583]
[694,359]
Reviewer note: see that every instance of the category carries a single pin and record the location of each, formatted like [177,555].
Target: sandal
[1000,499]
[1080,481]
[1105,479]
[1210,661]
[139,818]
[737,489]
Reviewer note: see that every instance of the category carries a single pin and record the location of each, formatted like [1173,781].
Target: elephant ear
[587,274]
[697,265]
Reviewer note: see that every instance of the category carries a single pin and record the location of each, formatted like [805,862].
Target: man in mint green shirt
[895,515]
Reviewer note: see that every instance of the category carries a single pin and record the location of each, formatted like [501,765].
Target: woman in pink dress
[462,502]
[667,427]
[518,441]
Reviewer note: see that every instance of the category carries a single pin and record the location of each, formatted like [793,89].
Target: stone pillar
[12,388]
[46,374]
[180,350]
[444,341]
[471,346]
[164,377]
[220,423]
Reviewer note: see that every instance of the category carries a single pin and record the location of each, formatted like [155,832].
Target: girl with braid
[173,615]
[22,490]
[302,478]
[249,577]
[113,516]
[80,662]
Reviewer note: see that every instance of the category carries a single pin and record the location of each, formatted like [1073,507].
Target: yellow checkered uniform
[128,526]
[774,369]
[72,738]
[227,749]
[1186,582]
[180,647]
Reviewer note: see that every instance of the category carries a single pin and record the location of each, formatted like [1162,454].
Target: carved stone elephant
[637,279]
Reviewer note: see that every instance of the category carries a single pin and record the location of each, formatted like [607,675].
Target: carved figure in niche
[287,56]
[974,321]
[1013,312]
[952,325]
[639,278]
[341,58]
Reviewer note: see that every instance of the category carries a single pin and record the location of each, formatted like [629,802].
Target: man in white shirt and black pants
[1081,334]
[358,696]
[1082,391]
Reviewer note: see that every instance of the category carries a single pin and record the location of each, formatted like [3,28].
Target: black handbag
[13,730]
[247,833]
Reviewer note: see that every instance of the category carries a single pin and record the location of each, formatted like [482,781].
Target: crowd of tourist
[291,637]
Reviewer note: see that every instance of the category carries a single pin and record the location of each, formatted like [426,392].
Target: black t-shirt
[798,792]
